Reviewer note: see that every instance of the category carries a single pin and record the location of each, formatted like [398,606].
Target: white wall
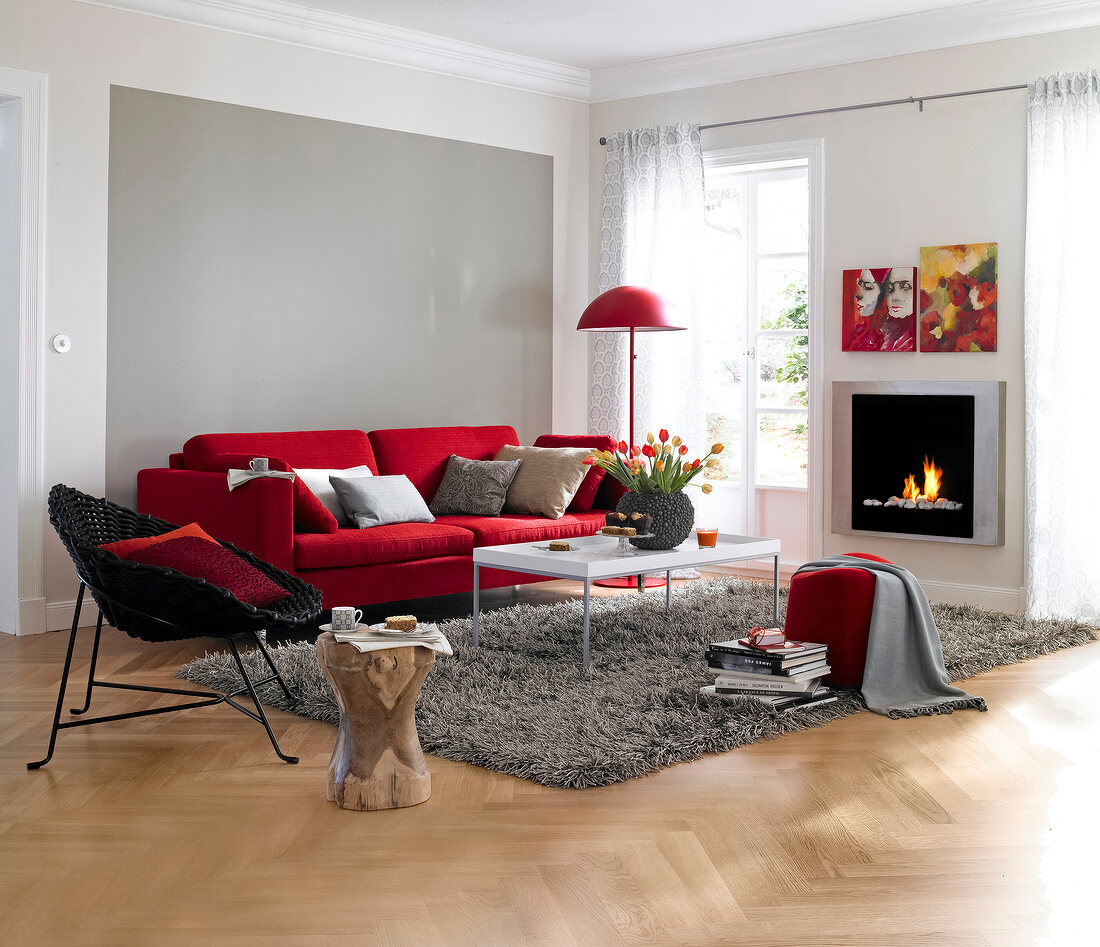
[11,117]
[85,49]
[897,179]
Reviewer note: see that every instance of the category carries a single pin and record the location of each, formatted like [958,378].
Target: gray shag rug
[522,704]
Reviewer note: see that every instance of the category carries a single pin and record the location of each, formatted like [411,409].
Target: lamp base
[630,582]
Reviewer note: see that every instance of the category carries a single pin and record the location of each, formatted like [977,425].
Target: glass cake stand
[625,549]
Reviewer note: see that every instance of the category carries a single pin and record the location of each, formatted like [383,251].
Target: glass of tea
[706,537]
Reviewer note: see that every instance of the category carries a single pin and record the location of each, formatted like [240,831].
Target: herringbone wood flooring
[966,829]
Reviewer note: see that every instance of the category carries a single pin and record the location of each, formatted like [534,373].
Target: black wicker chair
[155,603]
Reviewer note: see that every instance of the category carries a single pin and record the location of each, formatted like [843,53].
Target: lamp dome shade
[624,308]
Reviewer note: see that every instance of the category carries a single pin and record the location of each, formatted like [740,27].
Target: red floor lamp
[628,309]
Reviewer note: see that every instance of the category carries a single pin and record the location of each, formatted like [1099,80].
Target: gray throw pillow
[380,501]
[473,487]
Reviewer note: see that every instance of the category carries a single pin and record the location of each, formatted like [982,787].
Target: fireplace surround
[919,460]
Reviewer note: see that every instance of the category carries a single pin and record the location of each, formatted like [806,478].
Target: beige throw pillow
[547,479]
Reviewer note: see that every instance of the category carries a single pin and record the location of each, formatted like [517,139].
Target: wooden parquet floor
[971,829]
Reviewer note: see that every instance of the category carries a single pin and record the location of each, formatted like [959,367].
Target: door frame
[813,151]
[31,89]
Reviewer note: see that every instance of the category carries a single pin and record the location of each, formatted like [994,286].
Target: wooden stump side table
[377,762]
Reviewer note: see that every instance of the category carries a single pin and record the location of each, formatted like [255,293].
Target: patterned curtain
[1062,345]
[653,219]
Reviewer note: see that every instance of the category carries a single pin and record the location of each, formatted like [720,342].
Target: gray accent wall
[269,271]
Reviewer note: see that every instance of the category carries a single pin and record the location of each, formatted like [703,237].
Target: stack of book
[786,677]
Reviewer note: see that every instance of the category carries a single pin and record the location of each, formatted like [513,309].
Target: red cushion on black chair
[209,560]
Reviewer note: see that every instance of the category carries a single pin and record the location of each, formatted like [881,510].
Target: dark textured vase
[673,516]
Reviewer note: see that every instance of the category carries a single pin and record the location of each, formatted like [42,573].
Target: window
[757,338]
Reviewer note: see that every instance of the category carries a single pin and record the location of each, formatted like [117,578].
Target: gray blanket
[904,675]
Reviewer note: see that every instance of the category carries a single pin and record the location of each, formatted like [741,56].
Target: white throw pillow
[317,481]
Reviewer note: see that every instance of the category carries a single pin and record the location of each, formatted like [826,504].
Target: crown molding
[281,21]
[965,25]
[351,36]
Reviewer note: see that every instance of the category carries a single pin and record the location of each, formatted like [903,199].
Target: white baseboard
[59,615]
[984,596]
[32,616]
[952,593]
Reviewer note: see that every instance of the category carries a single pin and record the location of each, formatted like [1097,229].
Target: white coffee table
[593,557]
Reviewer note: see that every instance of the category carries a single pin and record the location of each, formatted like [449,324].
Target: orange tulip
[707,488]
[683,449]
[660,465]
[717,449]
[636,450]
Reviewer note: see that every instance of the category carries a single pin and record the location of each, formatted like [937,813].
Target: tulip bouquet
[660,465]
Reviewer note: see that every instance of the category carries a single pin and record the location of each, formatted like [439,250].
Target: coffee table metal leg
[585,645]
[668,590]
[477,605]
[775,590]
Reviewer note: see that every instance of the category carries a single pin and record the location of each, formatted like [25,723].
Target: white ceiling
[595,34]
[598,50]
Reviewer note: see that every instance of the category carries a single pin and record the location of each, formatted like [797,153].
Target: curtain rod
[917,100]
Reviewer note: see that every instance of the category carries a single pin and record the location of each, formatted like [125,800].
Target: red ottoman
[833,606]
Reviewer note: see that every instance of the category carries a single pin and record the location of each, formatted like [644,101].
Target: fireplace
[919,460]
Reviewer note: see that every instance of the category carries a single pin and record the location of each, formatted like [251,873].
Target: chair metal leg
[91,668]
[64,680]
[260,643]
[259,707]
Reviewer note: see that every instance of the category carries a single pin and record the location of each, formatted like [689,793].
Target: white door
[757,365]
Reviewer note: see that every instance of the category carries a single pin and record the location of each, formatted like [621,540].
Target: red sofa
[359,566]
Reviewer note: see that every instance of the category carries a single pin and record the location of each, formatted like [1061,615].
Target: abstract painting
[878,313]
[958,298]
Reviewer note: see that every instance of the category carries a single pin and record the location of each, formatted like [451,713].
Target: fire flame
[931,492]
[932,475]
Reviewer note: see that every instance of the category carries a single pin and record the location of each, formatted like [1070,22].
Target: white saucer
[359,627]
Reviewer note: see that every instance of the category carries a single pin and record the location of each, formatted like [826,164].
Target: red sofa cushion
[310,515]
[586,495]
[421,453]
[297,448]
[401,542]
[519,528]
[192,552]
[123,548]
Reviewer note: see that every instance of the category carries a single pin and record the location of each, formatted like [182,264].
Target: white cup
[258,464]
[346,618]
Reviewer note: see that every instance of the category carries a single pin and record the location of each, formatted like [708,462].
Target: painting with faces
[879,311]
[958,298]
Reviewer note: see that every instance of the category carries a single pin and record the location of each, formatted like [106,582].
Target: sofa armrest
[258,516]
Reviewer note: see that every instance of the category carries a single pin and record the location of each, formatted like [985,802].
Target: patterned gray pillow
[473,487]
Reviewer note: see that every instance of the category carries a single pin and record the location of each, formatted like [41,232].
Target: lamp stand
[641,582]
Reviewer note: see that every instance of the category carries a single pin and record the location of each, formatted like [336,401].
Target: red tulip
[683,449]
[588,461]
[663,435]
[696,462]
[648,450]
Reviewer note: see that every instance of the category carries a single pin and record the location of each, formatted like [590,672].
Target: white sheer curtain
[1062,345]
[653,219]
